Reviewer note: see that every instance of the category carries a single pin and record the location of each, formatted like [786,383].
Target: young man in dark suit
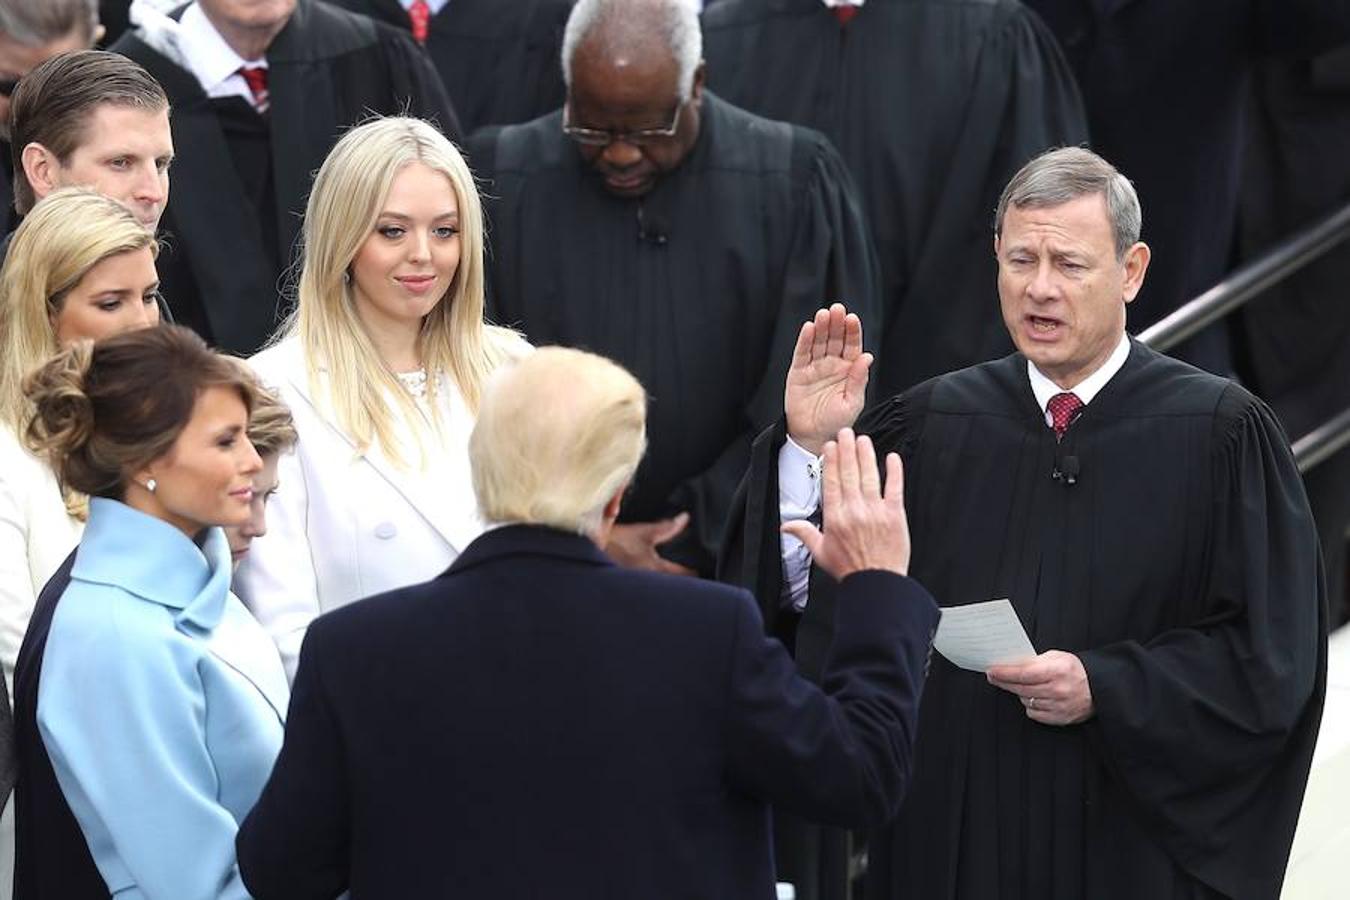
[539,721]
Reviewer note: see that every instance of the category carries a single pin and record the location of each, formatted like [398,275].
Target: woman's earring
[346,277]
[150,485]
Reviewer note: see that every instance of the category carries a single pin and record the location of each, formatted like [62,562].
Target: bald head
[558,435]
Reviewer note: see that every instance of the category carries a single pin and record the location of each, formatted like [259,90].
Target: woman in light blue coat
[161,700]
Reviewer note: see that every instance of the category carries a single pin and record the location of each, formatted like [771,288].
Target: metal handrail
[1251,279]
[1322,441]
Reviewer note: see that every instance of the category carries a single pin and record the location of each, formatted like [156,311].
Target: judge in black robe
[697,286]
[1296,335]
[933,105]
[498,59]
[240,179]
[1166,543]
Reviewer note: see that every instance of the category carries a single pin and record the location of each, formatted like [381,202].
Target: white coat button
[385,530]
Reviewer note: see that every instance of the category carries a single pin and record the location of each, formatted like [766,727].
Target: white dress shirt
[799,470]
[213,61]
[434,5]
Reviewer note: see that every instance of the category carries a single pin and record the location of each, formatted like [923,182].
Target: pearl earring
[150,485]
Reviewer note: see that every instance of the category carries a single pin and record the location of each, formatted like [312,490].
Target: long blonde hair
[348,196]
[67,234]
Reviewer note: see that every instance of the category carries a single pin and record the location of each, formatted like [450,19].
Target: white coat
[36,535]
[342,526]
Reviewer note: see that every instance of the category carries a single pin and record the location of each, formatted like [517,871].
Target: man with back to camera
[1147,522]
[540,722]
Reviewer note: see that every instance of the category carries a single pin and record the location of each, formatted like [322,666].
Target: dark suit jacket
[499,59]
[538,722]
[328,69]
[51,858]
[1166,86]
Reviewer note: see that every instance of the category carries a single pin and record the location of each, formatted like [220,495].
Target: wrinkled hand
[863,529]
[827,380]
[1053,687]
[634,545]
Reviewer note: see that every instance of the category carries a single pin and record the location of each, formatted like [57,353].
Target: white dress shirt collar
[833,3]
[434,5]
[1086,389]
[213,61]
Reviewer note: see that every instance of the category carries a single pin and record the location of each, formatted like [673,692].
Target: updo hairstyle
[103,410]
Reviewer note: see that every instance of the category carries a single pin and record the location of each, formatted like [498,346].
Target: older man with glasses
[654,223]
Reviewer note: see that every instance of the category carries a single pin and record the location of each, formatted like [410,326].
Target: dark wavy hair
[103,410]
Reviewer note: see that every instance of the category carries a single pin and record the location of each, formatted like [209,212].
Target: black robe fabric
[1296,335]
[328,69]
[934,105]
[1167,85]
[1182,567]
[500,60]
[698,288]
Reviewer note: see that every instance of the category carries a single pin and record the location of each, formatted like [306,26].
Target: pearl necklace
[414,382]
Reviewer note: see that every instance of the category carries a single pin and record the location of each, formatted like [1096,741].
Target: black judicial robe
[328,69]
[1167,85]
[1182,568]
[699,288]
[934,105]
[500,60]
[1297,334]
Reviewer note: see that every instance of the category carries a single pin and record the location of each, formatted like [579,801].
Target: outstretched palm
[827,380]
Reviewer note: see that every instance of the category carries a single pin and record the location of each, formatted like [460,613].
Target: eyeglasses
[599,137]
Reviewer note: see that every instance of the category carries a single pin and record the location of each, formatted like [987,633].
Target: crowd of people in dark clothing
[276,277]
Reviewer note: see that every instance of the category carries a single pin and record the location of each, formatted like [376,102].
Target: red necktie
[420,15]
[256,76]
[1063,410]
[845,14]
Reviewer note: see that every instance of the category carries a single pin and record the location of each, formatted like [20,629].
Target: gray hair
[1059,176]
[634,22]
[36,23]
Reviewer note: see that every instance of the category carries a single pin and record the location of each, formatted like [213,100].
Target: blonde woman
[80,266]
[382,363]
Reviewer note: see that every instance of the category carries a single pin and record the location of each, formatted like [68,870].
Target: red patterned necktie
[1063,410]
[845,13]
[256,76]
[420,15]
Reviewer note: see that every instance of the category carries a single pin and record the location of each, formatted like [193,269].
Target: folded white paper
[981,635]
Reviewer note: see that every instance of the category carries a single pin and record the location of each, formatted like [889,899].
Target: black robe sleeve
[751,554]
[1211,727]
[831,259]
[414,78]
[1024,100]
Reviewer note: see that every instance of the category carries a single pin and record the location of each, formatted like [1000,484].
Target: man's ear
[696,89]
[1136,265]
[611,511]
[41,168]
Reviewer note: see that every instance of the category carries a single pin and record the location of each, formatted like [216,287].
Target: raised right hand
[863,528]
[827,380]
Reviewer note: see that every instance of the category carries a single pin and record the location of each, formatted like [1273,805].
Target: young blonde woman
[80,266]
[382,364]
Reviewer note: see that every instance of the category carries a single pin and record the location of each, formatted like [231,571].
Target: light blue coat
[161,705]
